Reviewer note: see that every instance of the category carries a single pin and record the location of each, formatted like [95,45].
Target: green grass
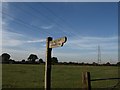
[63,76]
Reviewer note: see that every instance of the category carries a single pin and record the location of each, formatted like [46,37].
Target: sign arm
[58,42]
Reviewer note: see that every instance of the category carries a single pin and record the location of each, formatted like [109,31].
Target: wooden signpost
[58,42]
[49,45]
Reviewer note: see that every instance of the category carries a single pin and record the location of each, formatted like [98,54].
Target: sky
[60,0]
[26,25]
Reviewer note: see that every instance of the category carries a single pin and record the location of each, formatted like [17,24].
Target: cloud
[86,49]
[74,49]
[92,42]
[19,46]
[47,27]
[19,54]
[11,38]
[36,41]
[15,39]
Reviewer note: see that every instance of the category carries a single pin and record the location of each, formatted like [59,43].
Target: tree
[94,63]
[23,61]
[40,60]
[11,61]
[5,58]
[118,63]
[54,60]
[32,58]
[108,64]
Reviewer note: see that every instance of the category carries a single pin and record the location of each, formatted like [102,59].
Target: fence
[86,80]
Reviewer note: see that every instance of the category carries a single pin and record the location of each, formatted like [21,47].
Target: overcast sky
[25,27]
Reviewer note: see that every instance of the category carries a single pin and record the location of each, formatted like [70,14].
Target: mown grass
[63,76]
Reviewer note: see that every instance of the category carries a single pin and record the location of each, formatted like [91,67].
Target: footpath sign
[58,42]
[49,45]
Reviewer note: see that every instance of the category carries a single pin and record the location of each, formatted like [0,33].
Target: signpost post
[48,64]
[49,45]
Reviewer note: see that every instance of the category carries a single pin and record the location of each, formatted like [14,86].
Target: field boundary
[86,81]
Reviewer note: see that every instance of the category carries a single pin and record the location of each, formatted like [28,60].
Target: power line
[37,15]
[61,27]
[25,24]
[22,22]
[60,18]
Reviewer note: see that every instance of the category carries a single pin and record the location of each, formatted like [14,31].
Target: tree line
[33,59]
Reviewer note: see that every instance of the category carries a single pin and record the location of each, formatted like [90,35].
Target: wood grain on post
[86,84]
[48,65]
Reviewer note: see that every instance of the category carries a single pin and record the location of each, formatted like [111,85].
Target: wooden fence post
[48,65]
[86,84]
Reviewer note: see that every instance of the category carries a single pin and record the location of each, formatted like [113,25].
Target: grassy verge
[63,76]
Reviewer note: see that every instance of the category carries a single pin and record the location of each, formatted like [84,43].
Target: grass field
[63,76]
